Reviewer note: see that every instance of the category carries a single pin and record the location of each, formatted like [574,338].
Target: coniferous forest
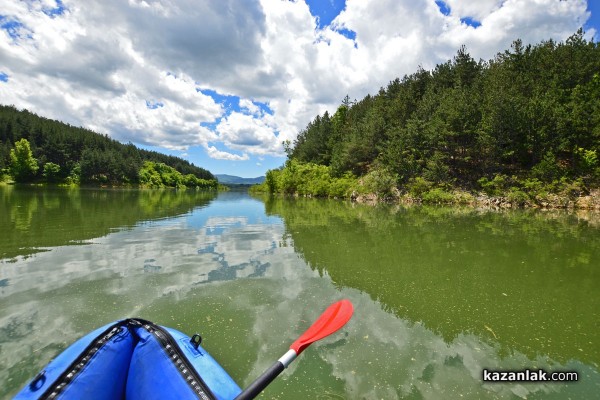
[526,122]
[37,149]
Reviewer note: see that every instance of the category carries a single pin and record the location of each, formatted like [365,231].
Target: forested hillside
[530,116]
[64,153]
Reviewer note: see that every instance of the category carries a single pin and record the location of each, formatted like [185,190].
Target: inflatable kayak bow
[133,359]
[137,359]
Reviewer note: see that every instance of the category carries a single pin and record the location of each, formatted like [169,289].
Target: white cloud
[501,25]
[213,152]
[99,62]
[256,135]
[475,9]
[249,106]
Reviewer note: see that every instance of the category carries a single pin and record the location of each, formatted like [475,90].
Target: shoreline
[108,186]
[551,201]
[461,198]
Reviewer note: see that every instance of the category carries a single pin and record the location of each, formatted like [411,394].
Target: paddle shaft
[332,319]
[267,377]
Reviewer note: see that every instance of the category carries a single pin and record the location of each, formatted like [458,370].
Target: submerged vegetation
[35,149]
[524,126]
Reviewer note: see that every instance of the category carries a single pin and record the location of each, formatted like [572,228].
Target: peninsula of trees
[524,125]
[37,149]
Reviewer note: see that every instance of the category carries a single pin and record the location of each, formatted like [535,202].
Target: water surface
[439,294]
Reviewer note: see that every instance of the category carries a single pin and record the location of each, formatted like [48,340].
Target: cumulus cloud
[504,21]
[133,69]
[475,9]
[256,135]
[250,107]
[213,152]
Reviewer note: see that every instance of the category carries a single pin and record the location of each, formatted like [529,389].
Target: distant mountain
[236,180]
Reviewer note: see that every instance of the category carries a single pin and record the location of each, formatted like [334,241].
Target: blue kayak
[132,359]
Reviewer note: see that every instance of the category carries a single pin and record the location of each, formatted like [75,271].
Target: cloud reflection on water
[52,298]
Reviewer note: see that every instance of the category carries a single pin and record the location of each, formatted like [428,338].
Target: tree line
[530,117]
[35,149]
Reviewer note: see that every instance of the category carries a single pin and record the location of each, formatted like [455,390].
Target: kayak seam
[75,368]
[180,361]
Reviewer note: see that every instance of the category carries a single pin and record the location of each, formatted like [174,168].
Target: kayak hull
[132,359]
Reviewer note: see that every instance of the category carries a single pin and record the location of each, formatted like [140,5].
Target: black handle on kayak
[261,382]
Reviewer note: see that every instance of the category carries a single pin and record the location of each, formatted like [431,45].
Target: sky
[224,83]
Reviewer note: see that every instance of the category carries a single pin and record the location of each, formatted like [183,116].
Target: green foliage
[379,181]
[81,154]
[531,112]
[533,185]
[418,186]
[150,177]
[495,187]
[23,165]
[74,177]
[588,164]
[342,187]
[312,144]
[51,172]
[438,196]
[271,181]
[517,196]
[4,175]
[315,180]
[571,189]
[436,169]
[259,188]
[159,175]
[533,191]
[547,170]
[307,179]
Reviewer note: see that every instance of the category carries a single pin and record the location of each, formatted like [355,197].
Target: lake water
[439,293]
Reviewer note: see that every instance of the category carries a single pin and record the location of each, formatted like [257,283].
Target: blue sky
[594,21]
[222,84]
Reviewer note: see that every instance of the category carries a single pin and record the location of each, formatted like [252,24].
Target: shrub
[379,181]
[159,175]
[307,179]
[260,188]
[418,186]
[51,172]
[288,178]
[436,169]
[342,187]
[461,197]
[272,180]
[534,186]
[437,196]
[495,187]
[587,161]
[518,197]
[548,169]
[74,176]
[312,179]
[571,189]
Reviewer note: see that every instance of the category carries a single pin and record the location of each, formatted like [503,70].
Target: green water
[439,294]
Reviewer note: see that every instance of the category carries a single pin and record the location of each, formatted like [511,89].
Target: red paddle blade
[330,321]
